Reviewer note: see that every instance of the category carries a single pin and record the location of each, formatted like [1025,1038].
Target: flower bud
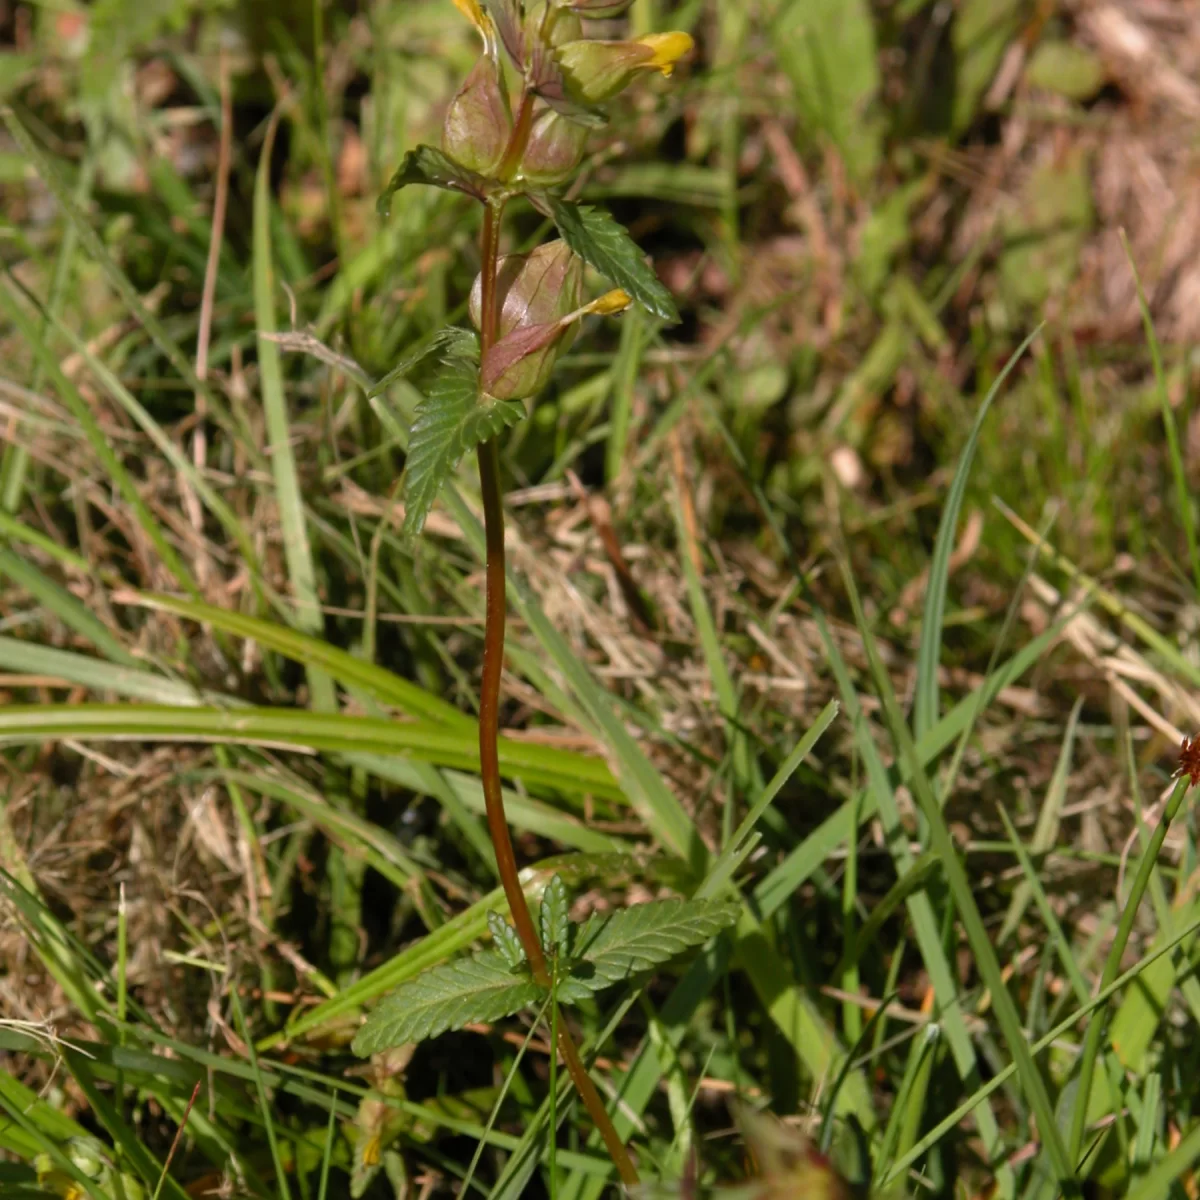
[534,289]
[555,148]
[597,71]
[478,122]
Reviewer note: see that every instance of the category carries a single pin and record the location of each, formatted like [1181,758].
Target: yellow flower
[597,71]
[668,49]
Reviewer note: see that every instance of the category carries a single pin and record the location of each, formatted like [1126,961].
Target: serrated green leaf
[618,945]
[555,922]
[480,988]
[450,421]
[429,166]
[456,342]
[602,242]
[508,943]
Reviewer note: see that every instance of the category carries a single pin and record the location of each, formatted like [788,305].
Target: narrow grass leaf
[714,658]
[95,673]
[721,870]
[1157,1181]
[1032,1082]
[167,345]
[296,549]
[1066,952]
[1112,964]
[348,669]
[296,728]
[1183,490]
[925,706]
[1045,833]
[69,609]
[97,441]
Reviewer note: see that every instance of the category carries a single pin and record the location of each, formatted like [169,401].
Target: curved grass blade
[348,669]
[925,706]
[301,730]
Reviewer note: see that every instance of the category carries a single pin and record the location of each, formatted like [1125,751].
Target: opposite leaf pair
[603,950]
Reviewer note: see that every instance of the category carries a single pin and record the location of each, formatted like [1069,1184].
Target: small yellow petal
[471,10]
[668,49]
[618,300]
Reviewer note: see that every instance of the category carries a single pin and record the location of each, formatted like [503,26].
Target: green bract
[478,122]
[556,145]
[534,289]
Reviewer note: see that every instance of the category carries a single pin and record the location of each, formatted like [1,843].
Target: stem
[519,139]
[595,1106]
[489,689]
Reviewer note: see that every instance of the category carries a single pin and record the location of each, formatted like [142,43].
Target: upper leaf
[555,920]
[450,421]
[480,988]
[508,942]
[616,946]
[428,165]
[599,240]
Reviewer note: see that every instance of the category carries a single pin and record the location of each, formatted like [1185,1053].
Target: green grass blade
[348,669]
[714,658]
[1032,1082]
[1038,893]
[264,1104]
[1183,490]
[167,345]
[1046,831]
[298,729]
[97,441]
[296,549]
[17,531]
[1157,1181]
[721,871]
[95,673]
[59,602]
[925,705]
[1112,964]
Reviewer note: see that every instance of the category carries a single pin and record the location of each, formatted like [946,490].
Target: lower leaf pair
[605,949]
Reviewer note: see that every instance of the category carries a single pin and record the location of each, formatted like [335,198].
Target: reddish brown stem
[519,139]
[489,691]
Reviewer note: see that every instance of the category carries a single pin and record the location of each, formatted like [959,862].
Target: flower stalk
[495,620]
[527,308]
